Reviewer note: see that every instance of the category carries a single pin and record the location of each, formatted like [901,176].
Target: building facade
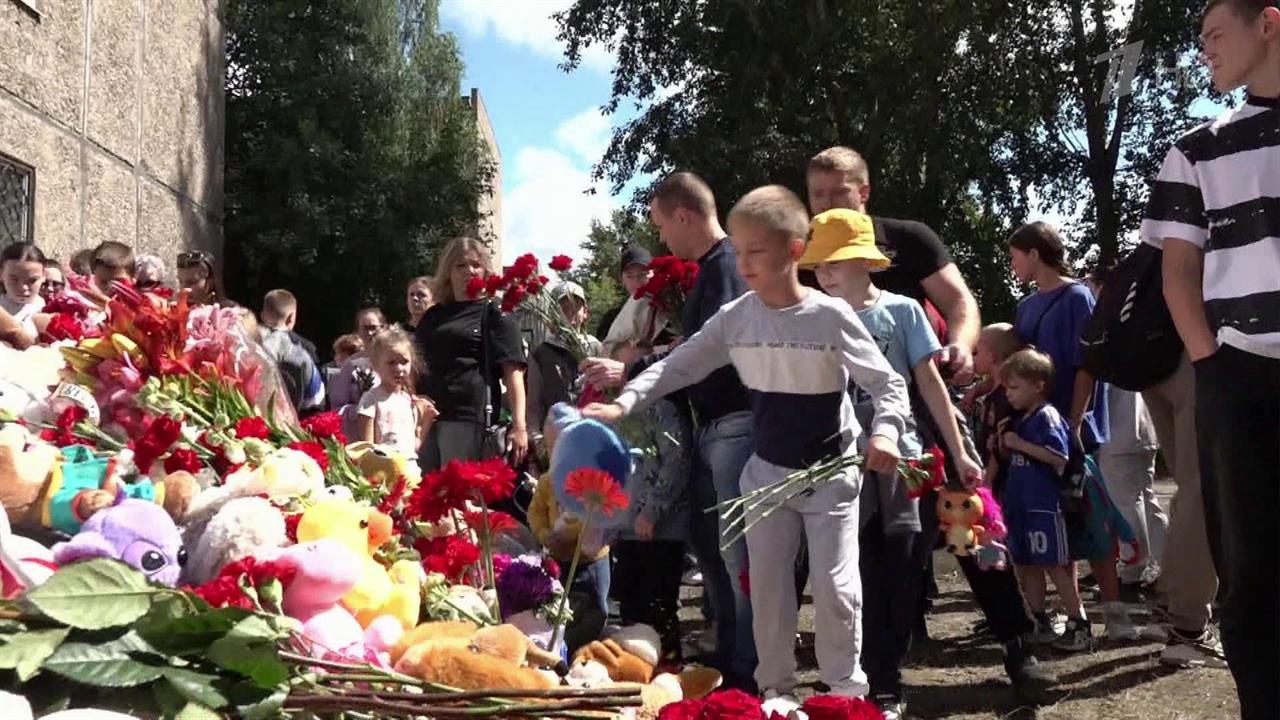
[490,226]
[111,124]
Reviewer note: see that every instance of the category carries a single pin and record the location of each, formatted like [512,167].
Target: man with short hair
[302,380]
[684,210]
[1215,211]
[921,268]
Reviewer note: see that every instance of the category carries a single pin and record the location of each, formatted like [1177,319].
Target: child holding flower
[798,350]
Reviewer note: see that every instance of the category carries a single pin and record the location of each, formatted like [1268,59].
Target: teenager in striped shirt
[1215,210]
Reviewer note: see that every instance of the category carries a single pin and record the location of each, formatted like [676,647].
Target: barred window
[17,197]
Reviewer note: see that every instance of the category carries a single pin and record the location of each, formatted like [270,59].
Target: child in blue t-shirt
[1037,442]
[843,258]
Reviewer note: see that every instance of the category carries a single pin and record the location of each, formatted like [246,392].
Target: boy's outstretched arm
[689,363]
[934,392]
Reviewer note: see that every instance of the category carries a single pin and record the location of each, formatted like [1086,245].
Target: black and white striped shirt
[1219,189]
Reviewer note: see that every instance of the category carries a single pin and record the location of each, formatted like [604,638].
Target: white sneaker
[785,704]
[1119,625]
[1203,651]
[692,577]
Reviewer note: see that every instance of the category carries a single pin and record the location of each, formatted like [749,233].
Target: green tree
[959,108]
[351,155]
[598,272]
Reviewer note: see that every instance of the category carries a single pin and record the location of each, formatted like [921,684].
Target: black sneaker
[1078,636]
[1024,670]
[1046,632]
[891,706]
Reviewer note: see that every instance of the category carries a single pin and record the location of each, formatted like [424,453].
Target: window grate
[17,199]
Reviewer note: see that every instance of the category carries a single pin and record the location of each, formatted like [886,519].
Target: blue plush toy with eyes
[584,443]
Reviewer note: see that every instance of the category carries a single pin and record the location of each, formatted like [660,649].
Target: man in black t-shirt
[922,268]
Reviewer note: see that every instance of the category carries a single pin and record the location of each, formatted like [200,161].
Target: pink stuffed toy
[991,554]
[326,571]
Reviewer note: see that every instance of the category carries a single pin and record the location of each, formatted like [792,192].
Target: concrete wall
[490,225]
[118,105]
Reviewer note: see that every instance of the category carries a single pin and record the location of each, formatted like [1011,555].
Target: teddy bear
[363,530]
[325,570]
[382,464]
[136,532]
[694,683]
[244,527]
[629,654]
[462,655]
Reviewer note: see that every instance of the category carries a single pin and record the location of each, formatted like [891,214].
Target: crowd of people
[817,329]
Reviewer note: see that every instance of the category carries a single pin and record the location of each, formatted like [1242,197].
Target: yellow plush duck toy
[362,529]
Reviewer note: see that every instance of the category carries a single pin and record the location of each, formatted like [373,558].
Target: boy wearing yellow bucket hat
[797,350]
[843,254]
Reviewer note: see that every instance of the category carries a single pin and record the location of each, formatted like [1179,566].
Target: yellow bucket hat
[843,234]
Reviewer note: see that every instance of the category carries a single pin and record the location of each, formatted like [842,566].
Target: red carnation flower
[439,493]
[597,490]
[551,566]
[64,326]
[451,556]
[493,284]
[163,432]
[313,449]
[291,526]
[223,591]
[182,458]
[63,433]
[475,286]
[731,705]
[325,426]
[525,266]
[683,710]
[394,497]
[839,707]
[252,427]
[560,263]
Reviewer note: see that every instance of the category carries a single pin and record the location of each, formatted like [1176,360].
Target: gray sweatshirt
[796,363]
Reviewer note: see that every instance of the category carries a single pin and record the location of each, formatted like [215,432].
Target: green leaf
[250,650]
[95,594]
[114,664]
[195,686]
[256,704]
[168,699]
[25,652]
[178,631]
[196,711]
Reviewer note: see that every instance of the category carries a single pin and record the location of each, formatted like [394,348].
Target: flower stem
[573,571]
[486,543]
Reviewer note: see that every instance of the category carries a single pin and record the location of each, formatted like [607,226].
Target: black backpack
[1130,341]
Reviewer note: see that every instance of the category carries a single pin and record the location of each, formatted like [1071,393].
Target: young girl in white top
[22,272]
[390,414]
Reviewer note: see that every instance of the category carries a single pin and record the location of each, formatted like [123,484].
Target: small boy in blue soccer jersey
[1037,441]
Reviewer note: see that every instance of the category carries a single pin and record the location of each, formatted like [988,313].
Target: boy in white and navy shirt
[796,351]
[1215,210]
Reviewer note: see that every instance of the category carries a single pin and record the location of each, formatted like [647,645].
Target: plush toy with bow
[960,517]
[136,532]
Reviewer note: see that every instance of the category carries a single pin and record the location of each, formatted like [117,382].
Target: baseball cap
[843,234]
[634,255]
[567,288]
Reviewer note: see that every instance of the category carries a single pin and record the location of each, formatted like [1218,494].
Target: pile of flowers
[737,705]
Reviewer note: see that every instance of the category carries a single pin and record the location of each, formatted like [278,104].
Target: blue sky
[548,123]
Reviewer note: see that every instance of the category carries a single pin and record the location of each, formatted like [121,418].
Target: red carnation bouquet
[521,286]
[668,287]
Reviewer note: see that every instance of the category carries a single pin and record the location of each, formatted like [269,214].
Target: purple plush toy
[136,532]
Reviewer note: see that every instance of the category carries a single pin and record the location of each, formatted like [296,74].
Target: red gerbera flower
[491,480]
[438,494]
[252,427]
[499,522]
[597,490]
[560,263]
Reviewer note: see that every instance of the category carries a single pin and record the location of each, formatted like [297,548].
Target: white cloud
[526,23]
[547,211]
[586,134]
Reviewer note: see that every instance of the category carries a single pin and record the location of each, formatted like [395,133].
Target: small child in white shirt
[390,414]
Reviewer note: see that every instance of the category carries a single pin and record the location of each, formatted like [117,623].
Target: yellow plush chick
[381,465]
[363,529]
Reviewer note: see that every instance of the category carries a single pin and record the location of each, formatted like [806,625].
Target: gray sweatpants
[829,520]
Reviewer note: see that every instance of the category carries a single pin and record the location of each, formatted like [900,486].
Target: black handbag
[493,434]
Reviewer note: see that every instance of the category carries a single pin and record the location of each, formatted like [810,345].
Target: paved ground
[956,675]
